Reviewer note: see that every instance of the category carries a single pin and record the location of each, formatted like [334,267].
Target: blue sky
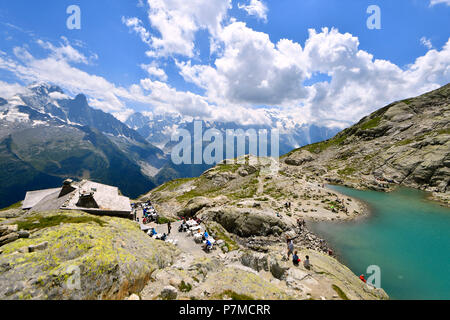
[118,37]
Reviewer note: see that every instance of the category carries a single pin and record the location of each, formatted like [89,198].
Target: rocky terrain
[250,205]
[406,143]
[243,204]
[42,256]
[74,255]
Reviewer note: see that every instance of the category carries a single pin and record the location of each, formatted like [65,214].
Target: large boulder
[195,205]
[7,229]
[299,158]
[88,258]
[8,238]
[247,222]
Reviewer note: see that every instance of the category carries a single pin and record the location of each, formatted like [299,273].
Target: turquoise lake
[407,236]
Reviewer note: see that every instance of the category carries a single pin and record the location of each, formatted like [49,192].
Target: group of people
[184,227]
[288,205]
[152,233]
[295,258]
[194,225]
[301,224]
[149,213]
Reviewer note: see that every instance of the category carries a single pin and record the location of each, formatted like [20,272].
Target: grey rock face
[38,247]
[10,237]
[247,222]
[406,143]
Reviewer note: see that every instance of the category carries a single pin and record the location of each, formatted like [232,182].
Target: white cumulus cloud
[255,8]
[176,22]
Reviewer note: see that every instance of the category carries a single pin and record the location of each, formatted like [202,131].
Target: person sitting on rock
[307,263]
[153,232]
[205,235]
[295,259]
[164,237]
[183,226]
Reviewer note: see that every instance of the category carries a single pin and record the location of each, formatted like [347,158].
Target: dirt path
[185,243]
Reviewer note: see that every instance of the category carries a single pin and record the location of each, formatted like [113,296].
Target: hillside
[47,251]
[405,143]
[46,137]
[60,255]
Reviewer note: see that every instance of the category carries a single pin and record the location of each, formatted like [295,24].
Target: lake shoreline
[404,233]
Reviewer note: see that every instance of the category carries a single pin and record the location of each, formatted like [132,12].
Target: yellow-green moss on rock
[112,257]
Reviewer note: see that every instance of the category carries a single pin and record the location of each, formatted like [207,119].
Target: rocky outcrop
[299,158]
[406,143]
[85,258]
[246,222]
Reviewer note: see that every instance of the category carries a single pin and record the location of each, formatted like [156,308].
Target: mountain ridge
[49,138]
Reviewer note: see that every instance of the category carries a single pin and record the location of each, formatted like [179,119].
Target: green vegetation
[372,123]
[444,131]
[185,287]
[274,192]
[408,101]
[17,205]
[164,220]
[221,234]
[369,156]
[340,293]
[202,188]
[39,222]
[227,167]
[198,192]
[172,185]
[422,137]
[347,171]
[324,145]
[404,142]
[246,191]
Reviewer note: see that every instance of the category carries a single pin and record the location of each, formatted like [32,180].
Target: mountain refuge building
[88,196]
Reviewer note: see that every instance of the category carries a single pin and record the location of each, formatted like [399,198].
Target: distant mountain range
[47,136]
[158,129]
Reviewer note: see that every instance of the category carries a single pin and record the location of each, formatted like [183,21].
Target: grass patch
[17,205]
[372,123]
[39,222]
[404,142]
[340,293]
[221,234]
[203,188]
[321,146]
[164,220]
[172,185]
[444,131]
[347,171]
[227,167]
[408,101]
[185,287]
[246,191]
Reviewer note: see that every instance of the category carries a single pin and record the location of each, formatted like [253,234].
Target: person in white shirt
[307,263]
